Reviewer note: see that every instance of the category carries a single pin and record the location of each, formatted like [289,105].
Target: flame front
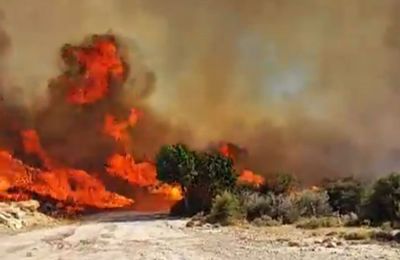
[94,71]
[102,64]
[246,176]
[249,177]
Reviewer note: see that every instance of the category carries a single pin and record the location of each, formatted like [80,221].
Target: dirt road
[131,236]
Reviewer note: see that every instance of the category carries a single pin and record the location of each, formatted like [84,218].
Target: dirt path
[132,236]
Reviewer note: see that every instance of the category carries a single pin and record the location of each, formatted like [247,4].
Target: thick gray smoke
[308,86]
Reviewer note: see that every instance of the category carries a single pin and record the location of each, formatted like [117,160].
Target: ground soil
[135,236]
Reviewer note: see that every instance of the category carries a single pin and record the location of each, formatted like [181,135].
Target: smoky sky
[309,87]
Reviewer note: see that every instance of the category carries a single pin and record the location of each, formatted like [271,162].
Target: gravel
[134,236]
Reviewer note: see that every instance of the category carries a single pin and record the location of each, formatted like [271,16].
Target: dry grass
[323,222]
[361,234]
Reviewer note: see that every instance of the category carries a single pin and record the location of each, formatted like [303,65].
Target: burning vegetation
[77,150]
[99,172]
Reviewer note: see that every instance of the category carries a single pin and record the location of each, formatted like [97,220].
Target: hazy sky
[311,86]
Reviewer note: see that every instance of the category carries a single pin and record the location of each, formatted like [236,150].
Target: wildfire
[249,177]
[140,174]
[101,64]
[92,71]
[87,93]
[246,176]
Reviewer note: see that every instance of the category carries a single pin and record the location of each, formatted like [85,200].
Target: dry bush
[313,203]
[278,207]
[361,234]
[266,221]
[323,222]
[256,205]
[280,183]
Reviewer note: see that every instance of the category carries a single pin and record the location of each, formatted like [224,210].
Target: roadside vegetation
[209,182]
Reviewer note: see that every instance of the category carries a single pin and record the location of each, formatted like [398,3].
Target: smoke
[308,87]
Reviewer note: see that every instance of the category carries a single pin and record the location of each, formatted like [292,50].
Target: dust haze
[309,87]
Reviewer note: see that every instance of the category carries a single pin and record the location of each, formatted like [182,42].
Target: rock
[17,215]
[330,244]
[10,221]
[29,205]
[191,223]
[327,240]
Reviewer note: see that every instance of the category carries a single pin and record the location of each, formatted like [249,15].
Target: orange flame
[140,174]
[101,64]
[249,177]
[92,71]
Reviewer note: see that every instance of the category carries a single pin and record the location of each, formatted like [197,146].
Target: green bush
[384,202]
[201,175]
[225,209]
[279,183]
[177,164]
[345,195]
[313,203]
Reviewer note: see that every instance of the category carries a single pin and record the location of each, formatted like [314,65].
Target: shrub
[358,235]
[384,202]
[279,183]
[201,175]
[345,195]
[285,209]
[314,223]
[278,207]
[225,209]
[313,203]
[256,205]
[351,220]
[266,221]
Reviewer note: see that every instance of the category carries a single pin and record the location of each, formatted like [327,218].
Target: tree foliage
[280,183]
[384,201]
[345,195]
[177,164]
[201,175]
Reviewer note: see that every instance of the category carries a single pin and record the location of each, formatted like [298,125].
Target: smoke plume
[307,87]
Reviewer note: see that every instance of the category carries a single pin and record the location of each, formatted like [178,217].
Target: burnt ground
[135,236]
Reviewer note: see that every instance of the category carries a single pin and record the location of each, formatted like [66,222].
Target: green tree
[201,175]
[345,194]
[384,201]
[216,172]
[177,164]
